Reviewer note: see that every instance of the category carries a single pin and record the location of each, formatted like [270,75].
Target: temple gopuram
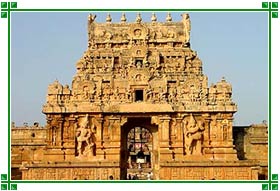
[139,106]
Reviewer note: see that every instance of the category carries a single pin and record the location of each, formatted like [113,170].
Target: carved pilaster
[99,131]
[207,132]
[49,133]
[165,129]
[60,123]
[72,122]
[113,128]
[173,131]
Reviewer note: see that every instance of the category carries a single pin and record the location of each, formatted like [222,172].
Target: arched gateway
[139,148]
[135,78]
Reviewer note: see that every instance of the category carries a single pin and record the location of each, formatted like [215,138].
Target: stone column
[72,133]
[113,143]
[54,152]
[99,138]
[221,139]
[230,137]
[99,131]
[70,146]
[173,131]
[66,133]
[164,138]
[49,131]
[207,132]
[164,129]
[207,140]
[114,129]
[60,123]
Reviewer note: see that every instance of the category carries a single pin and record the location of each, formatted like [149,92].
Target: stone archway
[139,148]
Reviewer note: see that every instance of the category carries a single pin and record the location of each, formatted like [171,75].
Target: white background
[126,4]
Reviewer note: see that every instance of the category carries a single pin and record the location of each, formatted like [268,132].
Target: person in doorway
[129,177]
[149,176]
[135,177]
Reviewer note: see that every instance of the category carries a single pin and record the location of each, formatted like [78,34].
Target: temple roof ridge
[138,19]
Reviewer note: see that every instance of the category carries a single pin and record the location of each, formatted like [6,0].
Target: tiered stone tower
[140,75]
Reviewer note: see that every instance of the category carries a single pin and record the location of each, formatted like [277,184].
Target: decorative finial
[185,16]
[108,18]
[168,17]
[123,18]
[138,18]
[91,18]
[154,17]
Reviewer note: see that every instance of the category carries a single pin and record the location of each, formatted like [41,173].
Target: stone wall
[209,171]
[70,171]
[28,144]
[251,143]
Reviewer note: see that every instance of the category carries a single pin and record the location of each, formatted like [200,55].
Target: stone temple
[139,104]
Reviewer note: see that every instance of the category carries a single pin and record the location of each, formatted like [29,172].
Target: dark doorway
[139,151]
[139,141]
[139,95]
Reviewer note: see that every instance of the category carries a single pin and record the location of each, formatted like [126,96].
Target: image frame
[7,8]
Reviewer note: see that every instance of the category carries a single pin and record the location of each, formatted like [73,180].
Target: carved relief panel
[85,137]
[193,131]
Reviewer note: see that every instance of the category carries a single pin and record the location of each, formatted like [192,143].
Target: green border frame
[270,7]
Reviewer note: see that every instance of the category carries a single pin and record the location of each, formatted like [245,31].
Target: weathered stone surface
[139,103]
[252,144]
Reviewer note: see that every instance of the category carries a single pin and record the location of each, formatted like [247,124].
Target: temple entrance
[139,149]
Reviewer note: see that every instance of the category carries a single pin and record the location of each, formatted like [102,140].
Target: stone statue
[138,18]
[108,18]
[123,18]
[149,93]
[187,24]
[54,131]
[129,94]
[168,17]
[193,136]
[91,18]
[85,134]
[154,17]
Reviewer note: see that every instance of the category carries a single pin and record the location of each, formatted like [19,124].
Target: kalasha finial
[138,18]
[154,17]
[108,18]
[123,18]
[168,17]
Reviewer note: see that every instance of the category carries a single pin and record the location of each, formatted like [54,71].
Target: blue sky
[46,47]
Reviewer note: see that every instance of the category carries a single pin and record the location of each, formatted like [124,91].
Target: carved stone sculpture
[85,136]
[193,134]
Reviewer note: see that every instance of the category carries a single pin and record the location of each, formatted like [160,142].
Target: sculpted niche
[193,136]
[85,137]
